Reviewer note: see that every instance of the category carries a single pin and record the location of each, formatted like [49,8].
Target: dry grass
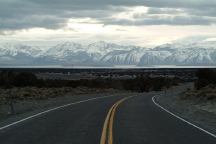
[33,93]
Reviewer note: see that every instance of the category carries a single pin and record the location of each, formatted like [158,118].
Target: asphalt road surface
[110,120]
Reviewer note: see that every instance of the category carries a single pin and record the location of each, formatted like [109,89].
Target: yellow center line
[108,124]
[104,131]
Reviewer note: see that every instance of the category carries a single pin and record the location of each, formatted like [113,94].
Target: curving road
[108,120]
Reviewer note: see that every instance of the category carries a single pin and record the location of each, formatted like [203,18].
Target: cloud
[159,20]
[153,10]
[49,22]
[6,33]
[140,16]
[92,4]
[26,14]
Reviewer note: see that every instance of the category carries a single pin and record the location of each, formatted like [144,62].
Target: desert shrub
[145,84]
[207,74]
[140,84]
[7,79]
[204,78]
[25,79]
[200,83]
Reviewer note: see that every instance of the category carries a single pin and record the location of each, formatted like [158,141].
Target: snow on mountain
[116,58]
[18,54]
[103,47]
[205,45]
[108,54]
[122,57]
[200,57]
[16,49]
[194,53]
[64,49]
[100,49]
[154,57]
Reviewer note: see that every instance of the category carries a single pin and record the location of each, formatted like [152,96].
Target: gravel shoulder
[200,113]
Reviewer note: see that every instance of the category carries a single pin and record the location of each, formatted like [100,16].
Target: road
[110,120]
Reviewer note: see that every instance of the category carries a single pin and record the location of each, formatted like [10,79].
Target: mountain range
[101,53]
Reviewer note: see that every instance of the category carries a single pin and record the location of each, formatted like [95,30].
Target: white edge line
[53,109]
[201,129]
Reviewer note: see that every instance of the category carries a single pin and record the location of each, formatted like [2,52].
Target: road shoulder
[188,110]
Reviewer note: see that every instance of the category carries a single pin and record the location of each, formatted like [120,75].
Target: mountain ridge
[109,54]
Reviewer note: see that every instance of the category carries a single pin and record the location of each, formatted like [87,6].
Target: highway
[106,120]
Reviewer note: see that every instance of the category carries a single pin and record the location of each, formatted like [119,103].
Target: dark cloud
[89,4]
[210,12]
[178,20]
[157,20]
[53,14]
[48,22]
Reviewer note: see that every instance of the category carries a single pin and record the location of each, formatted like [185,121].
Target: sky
[137,22]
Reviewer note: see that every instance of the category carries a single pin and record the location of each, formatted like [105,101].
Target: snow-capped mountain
[14,50]
[202,53]
[18,54]
[99,50]
[199,53]
[154,57]
[64,49]
[123,57]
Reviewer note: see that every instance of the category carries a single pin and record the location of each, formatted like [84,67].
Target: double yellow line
[107,133]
